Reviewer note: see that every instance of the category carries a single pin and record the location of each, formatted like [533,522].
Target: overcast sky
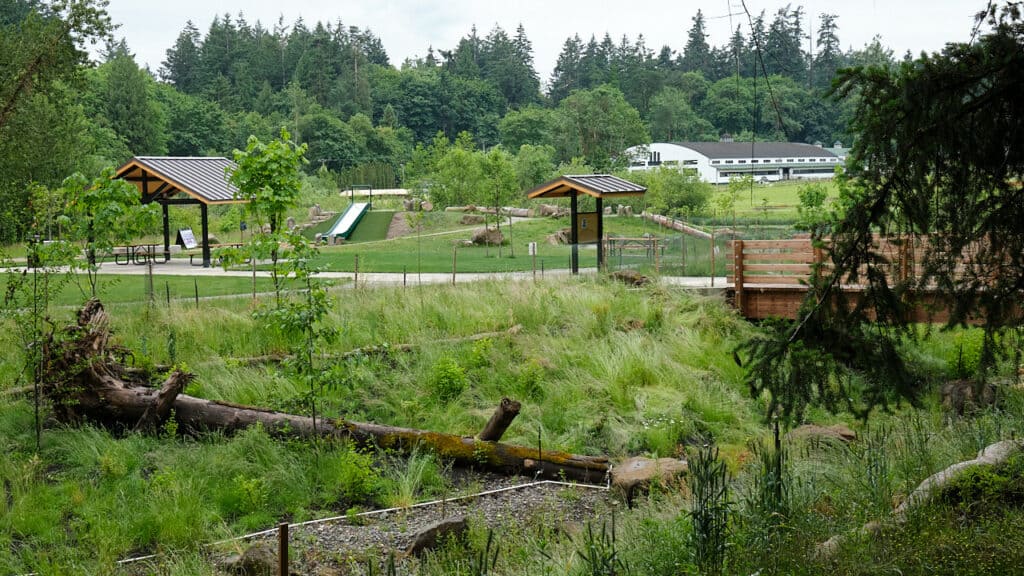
[408,27]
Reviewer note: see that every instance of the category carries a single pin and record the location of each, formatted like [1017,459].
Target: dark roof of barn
[736,150]
[596,185]
[205,178]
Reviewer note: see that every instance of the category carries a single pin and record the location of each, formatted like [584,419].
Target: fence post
[712,257]
[657,261]
[737,270]
[682,252]
[195,284]
[355,281]
[455,260]
[819,258]
[282,549]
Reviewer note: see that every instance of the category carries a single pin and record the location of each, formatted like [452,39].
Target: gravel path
[348,543]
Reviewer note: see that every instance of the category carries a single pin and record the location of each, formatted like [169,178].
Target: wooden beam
[737,263]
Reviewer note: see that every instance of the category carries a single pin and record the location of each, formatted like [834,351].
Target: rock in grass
[638,474]
[430,537]
[260,559]
[488,236]
[839,432]
[630,277]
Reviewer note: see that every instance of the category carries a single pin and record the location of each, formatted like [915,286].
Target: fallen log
[991,455]
[677,225]
[86,381]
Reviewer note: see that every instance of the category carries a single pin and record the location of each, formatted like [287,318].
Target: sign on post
[187,239]
[586,229]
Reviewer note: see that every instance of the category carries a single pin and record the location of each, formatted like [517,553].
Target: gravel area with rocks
[348,542]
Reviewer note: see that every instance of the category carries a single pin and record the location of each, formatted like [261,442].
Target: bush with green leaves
[447,379]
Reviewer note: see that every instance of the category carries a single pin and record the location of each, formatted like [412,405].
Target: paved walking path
[181,267]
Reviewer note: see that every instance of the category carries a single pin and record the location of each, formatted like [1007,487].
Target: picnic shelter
[182,181]
[587,227]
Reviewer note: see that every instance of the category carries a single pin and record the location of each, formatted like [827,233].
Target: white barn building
[717,162]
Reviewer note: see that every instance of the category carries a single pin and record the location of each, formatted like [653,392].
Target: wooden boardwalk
[768,278]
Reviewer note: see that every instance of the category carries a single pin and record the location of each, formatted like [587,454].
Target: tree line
[335,89]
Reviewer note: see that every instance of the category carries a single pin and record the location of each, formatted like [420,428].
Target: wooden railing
[785,267]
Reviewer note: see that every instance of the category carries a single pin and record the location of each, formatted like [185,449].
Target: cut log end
[502,418]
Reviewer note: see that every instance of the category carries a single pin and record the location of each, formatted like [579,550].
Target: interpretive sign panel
[187,239]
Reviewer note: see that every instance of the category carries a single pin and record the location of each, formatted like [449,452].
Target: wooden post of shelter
[205,216]
[574,234]
[600,234]
[167,233]
[599,186]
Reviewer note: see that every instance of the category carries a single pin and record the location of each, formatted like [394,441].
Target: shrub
[447,379]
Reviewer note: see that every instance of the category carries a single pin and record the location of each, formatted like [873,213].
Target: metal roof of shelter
[733,150]
[161,177]
[596,185]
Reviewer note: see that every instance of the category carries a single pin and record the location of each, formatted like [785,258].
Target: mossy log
[87,380]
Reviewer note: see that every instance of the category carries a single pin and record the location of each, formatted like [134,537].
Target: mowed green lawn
[436,251]
[776,200]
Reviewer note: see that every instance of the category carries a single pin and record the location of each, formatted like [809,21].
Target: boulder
[430,537]
[636,474]
[607,210]
[563,236]
[630,277]
[549,210]
[260,559]
[290,223]
[488,236]
[470,219]
[840,432]
[213,239]
[965,396]
[314,211]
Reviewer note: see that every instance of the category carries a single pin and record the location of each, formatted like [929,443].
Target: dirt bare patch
[399,226]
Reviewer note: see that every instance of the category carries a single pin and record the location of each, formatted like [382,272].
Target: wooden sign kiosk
[587,227]
[171,180]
